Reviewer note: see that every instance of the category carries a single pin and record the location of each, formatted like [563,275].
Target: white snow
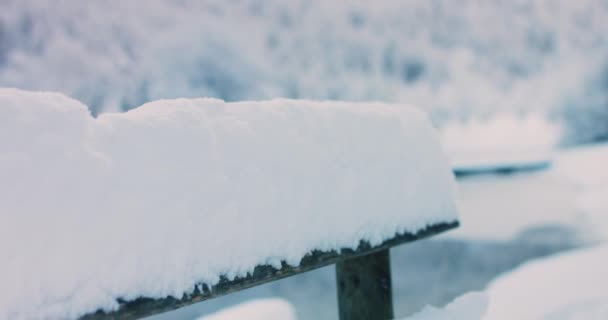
[500,208]
[502,141]
[149,202]
[459,59]
[260,309]
[584,169]
[571,193]
[568,286]
[469,306]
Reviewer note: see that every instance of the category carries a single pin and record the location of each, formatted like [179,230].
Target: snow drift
[567,286]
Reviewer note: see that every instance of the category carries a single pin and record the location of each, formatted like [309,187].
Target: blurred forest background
[460,60]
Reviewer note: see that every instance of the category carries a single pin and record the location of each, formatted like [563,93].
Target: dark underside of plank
[142,307]
[501,170]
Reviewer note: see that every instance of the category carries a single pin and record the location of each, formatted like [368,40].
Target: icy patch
[567,286]
[470,306]
[262,309]
[152,201]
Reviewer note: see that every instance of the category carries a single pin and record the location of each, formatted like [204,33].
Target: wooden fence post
[364,287]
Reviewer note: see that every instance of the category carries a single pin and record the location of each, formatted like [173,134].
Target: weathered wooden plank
[143,306]
[502,170]
[364,287]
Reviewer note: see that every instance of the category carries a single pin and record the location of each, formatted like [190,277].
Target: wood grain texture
[365,288]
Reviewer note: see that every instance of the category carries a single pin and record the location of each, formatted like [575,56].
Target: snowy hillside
[457,59]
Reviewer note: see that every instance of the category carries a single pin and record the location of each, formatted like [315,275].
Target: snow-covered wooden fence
[363,280]
[130,214]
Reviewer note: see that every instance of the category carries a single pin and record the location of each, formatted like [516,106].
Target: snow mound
[571,194]
[501,143]
[261,309]
[567,286]
[175,192]
[470,306]
[583,167]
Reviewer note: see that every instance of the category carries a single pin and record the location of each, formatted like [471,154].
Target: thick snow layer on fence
[175,192]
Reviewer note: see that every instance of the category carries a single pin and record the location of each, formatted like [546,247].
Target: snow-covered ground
[568,286]
[571,193]
[259,309]
[470,306]
[500,208]
[501,142]
[571,285]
